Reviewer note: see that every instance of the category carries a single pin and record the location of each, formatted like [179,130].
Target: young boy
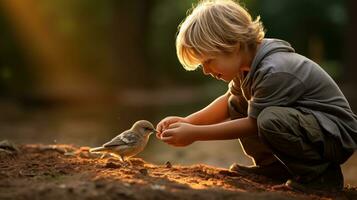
[289,115]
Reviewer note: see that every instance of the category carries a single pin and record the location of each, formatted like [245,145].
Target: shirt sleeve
[275,89]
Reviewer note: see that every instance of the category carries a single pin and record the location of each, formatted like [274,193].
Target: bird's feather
[126,138]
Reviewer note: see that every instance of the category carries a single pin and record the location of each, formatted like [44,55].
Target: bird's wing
[126,138]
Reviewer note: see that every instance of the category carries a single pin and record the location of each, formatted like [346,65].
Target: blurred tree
[129,36]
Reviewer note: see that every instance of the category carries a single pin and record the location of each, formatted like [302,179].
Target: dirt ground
[67,172]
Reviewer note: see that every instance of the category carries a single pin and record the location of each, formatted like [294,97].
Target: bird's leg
[128,162]
[125,162]
[121,158]
[103,155]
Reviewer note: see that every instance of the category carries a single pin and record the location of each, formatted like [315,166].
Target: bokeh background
[81,71]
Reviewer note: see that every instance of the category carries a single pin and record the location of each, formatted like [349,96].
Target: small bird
[130,142]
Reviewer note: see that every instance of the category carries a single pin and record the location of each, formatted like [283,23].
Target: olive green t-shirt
[281,77]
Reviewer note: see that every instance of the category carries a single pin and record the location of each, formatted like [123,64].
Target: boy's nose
[205,70]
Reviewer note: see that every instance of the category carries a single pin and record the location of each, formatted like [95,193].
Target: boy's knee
[269,117]
[274,120]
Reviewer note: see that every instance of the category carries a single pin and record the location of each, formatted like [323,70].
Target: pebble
[168,164]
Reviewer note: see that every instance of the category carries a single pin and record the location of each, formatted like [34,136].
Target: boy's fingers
[174,125]
[158,135]
[160,128]
[159,131]
[166,134]
[167,139]
[165,124]
[160,125]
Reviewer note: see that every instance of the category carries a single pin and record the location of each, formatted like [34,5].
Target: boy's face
[223,67]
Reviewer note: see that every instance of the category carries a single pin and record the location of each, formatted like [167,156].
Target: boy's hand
[165,123]
[179,134]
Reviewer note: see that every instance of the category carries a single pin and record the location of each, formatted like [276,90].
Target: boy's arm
[182,134]
[215,112]
[232,129]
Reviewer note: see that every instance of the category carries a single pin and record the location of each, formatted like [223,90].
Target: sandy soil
[67,172]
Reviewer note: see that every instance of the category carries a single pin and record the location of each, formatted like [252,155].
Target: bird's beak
[153,131]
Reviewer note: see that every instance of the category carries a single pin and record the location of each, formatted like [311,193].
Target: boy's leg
[251,145]
[298,141]
[265,163]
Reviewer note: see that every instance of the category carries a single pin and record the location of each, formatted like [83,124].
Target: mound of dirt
[38,171]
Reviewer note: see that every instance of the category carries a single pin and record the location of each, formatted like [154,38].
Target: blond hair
[214,27]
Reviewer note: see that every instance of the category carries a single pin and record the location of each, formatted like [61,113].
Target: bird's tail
[97,149]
